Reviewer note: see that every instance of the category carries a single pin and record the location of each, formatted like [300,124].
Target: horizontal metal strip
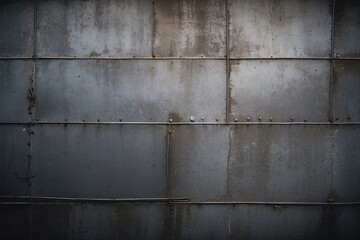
[271,203]
[179,123]
[65,199]
[172,58]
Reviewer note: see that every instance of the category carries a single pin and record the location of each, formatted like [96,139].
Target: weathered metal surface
[346,91]
[347,28]
[16,28]
[99,161]
[277,163]
[280,89]
[94,28]
[14,160]
[260,222]
[189,28]
[280,28]
[198,162]
[15,80]
[137,91]
[88,221]
[347,163]
[15,222]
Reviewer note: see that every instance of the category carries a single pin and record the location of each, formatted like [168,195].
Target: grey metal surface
[280,28]
[280,89]
[189,29]
[94,28]
[110,221]
[15,80]
[347,163]
[346,91]
[16,28]
[15,222]
[276,163]
[14,160]
[136,91]
[260,222]
[99,161]
[347,29]
[198,162]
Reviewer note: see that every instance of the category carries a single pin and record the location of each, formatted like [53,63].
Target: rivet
[305,120]
[348,117]
[170,131]
[331,200]
[170,120]
[192,118]
[260,118]
[270,119]
[247,118]
[292,118]
[202,118]
[120,119]
[65,119]
[216,119]
[336,118]
[236,119]
[84,120]
[98,119]
[37,118]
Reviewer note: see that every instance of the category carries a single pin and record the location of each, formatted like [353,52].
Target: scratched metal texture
[347,29]
[15,80]
[187,28]
[280,90]
[135,91]
[282,28]
[16,28]
[99,161]
[107,28]
[346,91]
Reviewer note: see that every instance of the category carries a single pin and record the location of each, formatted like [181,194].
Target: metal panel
[347,163]
[198,162]
[16,28]
[189,28]
[110,221]
[347,28]
[346,91]
[15,222]
[99,161]
[94,28]
[14,160]
[280,28]
[15,81]
[277,163]
[280,89]
[144,90]
[262,222]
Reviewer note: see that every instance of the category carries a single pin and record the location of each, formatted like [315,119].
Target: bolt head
[270,119]
[260,118]
[170,120]
[247,118]
[292,118]
[192,118]
[236,119]
[202,118]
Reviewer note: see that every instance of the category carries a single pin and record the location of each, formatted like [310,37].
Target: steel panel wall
[99,161]
[94,28]
[135,91]
[16,28]
[15,82]
[280,90]
[264,29]
[97,139]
